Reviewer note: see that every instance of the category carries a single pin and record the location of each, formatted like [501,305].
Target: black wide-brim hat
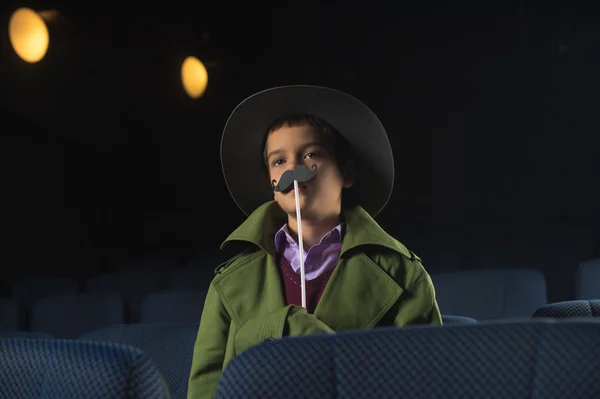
[243,139]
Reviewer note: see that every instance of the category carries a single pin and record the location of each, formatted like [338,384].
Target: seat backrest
[587,280]
[452,320]
[170,347]
[28,292]
[133,286]
[10,315]
[567,309]
[520,360]
[34,368]
[69,316]
[490,294]
[191,279]
[170,307]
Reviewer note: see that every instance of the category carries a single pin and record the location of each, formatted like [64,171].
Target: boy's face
[290,146]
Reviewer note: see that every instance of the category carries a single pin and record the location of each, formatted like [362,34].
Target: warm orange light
[28,35]
[194,77]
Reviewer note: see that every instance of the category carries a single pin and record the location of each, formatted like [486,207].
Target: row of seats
[45,368]
[70,315]
[164,353]
[500,293]
[169,346]
[490,294]
[136,297]
[132,285]
[520,294]
[516,360]
[158,275]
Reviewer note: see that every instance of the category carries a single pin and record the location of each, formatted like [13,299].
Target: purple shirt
[319,259]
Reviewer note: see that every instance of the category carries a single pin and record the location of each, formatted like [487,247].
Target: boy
[357,276]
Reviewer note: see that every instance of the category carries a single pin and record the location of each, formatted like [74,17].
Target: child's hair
[333,141]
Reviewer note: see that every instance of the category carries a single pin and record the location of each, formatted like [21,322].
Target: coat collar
[357,296]
[361,230]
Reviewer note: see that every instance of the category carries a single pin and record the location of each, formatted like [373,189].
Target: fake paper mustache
[301,173]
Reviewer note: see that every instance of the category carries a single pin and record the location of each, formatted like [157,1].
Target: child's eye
[311,155]
[277,162]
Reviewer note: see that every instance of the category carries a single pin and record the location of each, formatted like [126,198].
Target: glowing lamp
[194,77]
[28,35]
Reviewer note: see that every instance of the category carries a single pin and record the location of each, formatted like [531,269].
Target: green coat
[378,282]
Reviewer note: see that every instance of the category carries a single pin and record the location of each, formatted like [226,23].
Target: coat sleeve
[209,349]
[417,304]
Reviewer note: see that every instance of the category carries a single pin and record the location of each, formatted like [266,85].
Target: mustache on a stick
[301,173]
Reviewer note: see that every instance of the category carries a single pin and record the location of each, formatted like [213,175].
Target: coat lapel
[358,295]
[251,288]
[360,292]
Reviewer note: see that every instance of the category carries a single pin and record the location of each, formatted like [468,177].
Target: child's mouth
[301,187]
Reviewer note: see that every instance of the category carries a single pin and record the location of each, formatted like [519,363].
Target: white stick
[300,244]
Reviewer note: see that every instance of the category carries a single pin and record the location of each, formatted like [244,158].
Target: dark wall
[492,119]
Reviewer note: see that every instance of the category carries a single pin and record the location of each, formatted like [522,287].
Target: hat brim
[244,134]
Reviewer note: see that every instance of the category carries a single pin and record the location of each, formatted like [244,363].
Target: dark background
[492,112]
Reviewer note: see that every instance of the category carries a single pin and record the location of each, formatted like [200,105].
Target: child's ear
[349,174]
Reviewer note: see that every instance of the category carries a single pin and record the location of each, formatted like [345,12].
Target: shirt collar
[332,237]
